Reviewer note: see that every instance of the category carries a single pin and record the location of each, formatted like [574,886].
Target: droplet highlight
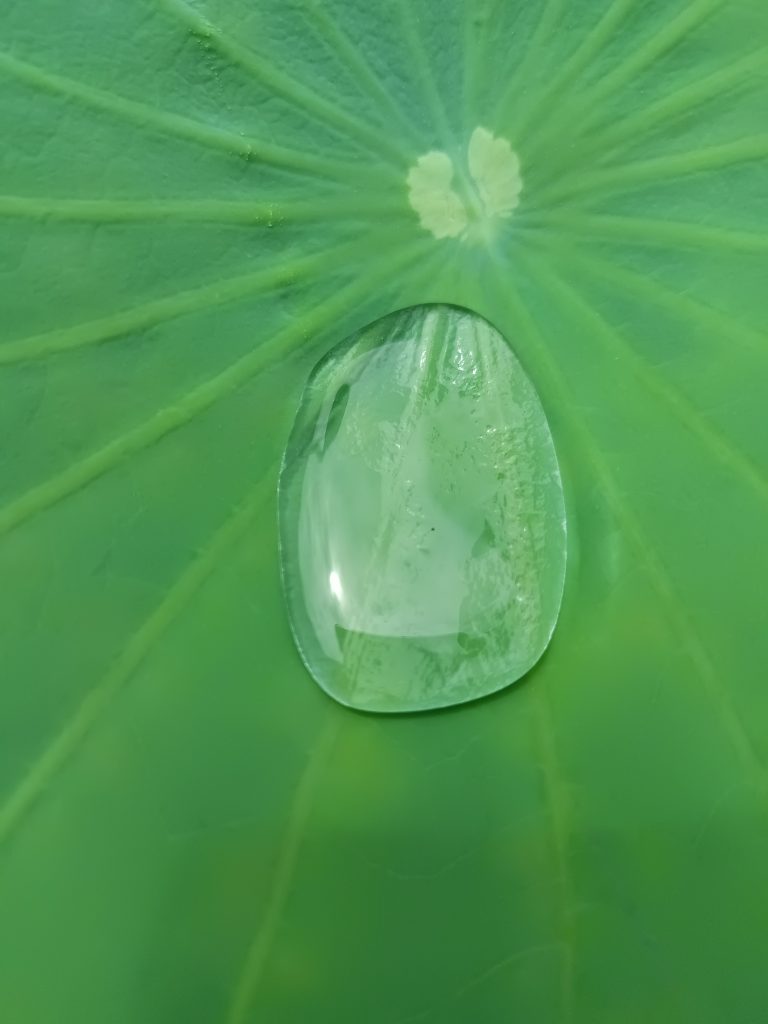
[422,516]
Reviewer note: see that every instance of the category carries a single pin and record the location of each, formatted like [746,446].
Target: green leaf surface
[197,201]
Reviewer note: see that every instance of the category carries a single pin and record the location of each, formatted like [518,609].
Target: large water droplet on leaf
[422,516]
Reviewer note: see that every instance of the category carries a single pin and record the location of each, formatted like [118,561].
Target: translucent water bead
[422,518]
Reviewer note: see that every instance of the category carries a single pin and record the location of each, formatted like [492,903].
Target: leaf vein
[295,92]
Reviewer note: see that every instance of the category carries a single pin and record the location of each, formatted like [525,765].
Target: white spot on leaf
[495,167]
[491,189]
[440,209]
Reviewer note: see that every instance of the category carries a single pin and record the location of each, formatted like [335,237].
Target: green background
[196,202]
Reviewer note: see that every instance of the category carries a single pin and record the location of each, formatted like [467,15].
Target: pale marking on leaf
[431,195]
[494,168]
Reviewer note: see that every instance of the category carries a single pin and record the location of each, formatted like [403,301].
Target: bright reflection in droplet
[334,581]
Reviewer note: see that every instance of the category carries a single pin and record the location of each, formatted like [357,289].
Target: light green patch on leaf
[431,194]
[492,193]
[495,168]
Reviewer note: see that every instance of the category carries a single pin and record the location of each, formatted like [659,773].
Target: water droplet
[422,517]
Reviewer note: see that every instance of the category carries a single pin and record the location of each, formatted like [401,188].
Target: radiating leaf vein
[331,32]
[301,808]
[189,405]
[658,575]
[213,211]
[267,73]
[718,445]
[62,748]
[174,125]
[624,177]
